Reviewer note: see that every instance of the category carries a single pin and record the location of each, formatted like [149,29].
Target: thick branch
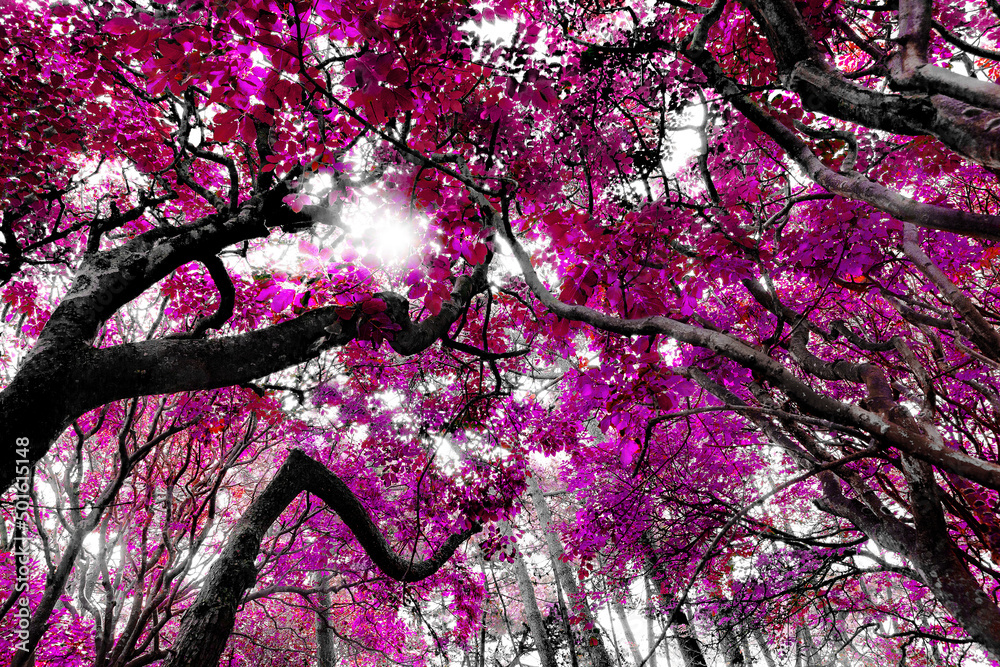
[208,623]
[69,378]
[886,432]
[984,336]
[227,299]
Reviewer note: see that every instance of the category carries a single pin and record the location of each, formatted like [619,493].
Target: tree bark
[207,624]
[533,615]
[326,640]
[64,376]
[687,641]
[633,646]
[592,643]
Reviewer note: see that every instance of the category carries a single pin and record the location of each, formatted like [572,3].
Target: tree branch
[208,623]
[227,300]
[874,423]
[986,338]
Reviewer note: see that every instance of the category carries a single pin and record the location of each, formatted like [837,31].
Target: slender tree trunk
[745,645]
[765,650]
[688,641]
[730,647]
[728,641]
[614,637]
[326,640]
[482,641]
[567,626]
[592,642]
[650,638]
[533,616]
[633,646]
[809,650]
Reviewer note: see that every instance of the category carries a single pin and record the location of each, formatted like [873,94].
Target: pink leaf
[283,300]
[120,26]
[393,21]
[628,451]
[296,202]
[268,292]
[475,254]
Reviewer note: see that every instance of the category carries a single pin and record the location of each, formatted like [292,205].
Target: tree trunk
[730,647]
[650,638]
[688,641]
[758,635]
[326,640]
[689,645]
[633,646]
[533,616]
[745,645]
[592,642]
[728,641]
[810,652]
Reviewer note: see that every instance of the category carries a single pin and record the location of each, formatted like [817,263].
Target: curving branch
[63,376]
[878,422]
[54,387]
[227,300]
[850,185]
[965,46]
[986,338]
[207,624]
[414,337]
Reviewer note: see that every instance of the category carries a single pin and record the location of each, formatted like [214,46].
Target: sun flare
[383,233]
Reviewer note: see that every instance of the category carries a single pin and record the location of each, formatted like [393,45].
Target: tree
[788,338]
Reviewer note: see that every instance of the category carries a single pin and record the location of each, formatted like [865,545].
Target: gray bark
[533,616]
[764,648]
[633,646]
[326,639]
[650,638]
[593,644]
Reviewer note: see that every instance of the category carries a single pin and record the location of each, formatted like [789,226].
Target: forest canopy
[533,332]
